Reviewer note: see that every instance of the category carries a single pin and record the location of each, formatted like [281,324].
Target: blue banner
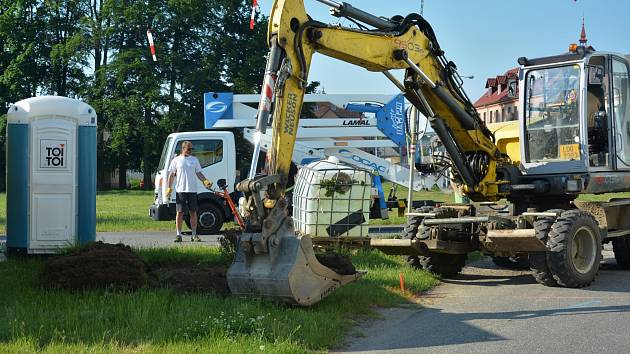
[391,120]
[217,106]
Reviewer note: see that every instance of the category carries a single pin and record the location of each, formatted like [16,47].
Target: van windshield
[164,150]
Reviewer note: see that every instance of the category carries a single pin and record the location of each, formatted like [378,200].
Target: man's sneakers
[195,238]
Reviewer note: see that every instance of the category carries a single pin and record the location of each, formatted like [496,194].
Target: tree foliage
[97,51]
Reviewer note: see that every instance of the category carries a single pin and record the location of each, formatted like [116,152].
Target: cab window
[209,152]
[621,112]
[552,114]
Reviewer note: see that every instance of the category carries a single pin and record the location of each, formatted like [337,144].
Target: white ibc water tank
[331,199]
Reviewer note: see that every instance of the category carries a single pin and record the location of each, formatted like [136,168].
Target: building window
[497,117]
[484,116]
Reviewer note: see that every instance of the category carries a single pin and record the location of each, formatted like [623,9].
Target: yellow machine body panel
[507,137]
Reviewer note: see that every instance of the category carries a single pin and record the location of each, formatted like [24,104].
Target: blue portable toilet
[51,174]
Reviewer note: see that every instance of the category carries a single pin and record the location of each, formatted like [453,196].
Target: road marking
[583,304]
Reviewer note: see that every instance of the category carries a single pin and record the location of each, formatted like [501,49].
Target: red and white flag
[255,9]
[151,45]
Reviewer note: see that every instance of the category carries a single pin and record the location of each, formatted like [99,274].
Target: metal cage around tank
[331,199]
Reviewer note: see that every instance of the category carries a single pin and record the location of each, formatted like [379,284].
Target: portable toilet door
[51,174]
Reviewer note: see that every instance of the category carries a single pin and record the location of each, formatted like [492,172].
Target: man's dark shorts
[185,202]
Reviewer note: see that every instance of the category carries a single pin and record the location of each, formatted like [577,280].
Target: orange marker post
[402,281]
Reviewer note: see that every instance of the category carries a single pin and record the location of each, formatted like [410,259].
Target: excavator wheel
[515,262]
[575,249]
[538,260]
[411,230]
[621,247]
[442,264]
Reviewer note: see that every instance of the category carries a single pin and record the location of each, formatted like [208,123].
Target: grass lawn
[129,210]
[394,219]
[161,321]
[116,211]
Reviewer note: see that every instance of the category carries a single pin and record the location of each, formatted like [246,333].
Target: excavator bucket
[288,271]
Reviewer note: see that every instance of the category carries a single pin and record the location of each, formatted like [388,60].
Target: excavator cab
[576,114]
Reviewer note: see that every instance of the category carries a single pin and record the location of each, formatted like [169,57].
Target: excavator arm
[430,83]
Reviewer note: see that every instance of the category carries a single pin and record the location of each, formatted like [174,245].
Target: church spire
[583,34]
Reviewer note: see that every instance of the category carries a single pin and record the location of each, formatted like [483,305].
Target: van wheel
[209,219]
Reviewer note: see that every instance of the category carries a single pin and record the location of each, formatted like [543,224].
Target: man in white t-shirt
[185,169]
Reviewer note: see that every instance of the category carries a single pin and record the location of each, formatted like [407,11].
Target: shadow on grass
[375,259]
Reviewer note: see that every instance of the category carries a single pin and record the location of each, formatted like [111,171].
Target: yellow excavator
[568,143]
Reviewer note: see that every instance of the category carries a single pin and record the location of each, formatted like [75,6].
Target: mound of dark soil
[189,277]
[118,267]
[340,263]
[99,265]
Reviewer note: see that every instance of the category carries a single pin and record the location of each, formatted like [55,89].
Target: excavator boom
[272,261]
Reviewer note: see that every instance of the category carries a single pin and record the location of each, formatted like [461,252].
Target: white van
[217,155]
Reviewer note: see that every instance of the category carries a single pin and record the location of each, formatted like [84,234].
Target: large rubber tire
[210,219]
[575,249]
[410,231]
[538,260]
[444,265]
[621,247]
[515,262]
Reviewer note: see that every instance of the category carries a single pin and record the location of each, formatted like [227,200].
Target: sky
[484,38]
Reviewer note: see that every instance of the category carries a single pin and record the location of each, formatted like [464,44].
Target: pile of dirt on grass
[189,277]
[118,267]
[98,265]
[340,263]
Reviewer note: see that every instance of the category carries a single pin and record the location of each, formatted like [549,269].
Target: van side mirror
[221,183]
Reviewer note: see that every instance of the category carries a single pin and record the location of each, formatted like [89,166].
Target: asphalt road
[144,239]
[489,310]
[154,239]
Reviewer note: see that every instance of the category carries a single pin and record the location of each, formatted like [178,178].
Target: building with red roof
[496,105]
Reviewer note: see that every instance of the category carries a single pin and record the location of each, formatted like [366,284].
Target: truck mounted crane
[572,138]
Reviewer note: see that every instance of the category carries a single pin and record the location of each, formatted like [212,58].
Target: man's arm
[204,180]
[200,175]
[171,175]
